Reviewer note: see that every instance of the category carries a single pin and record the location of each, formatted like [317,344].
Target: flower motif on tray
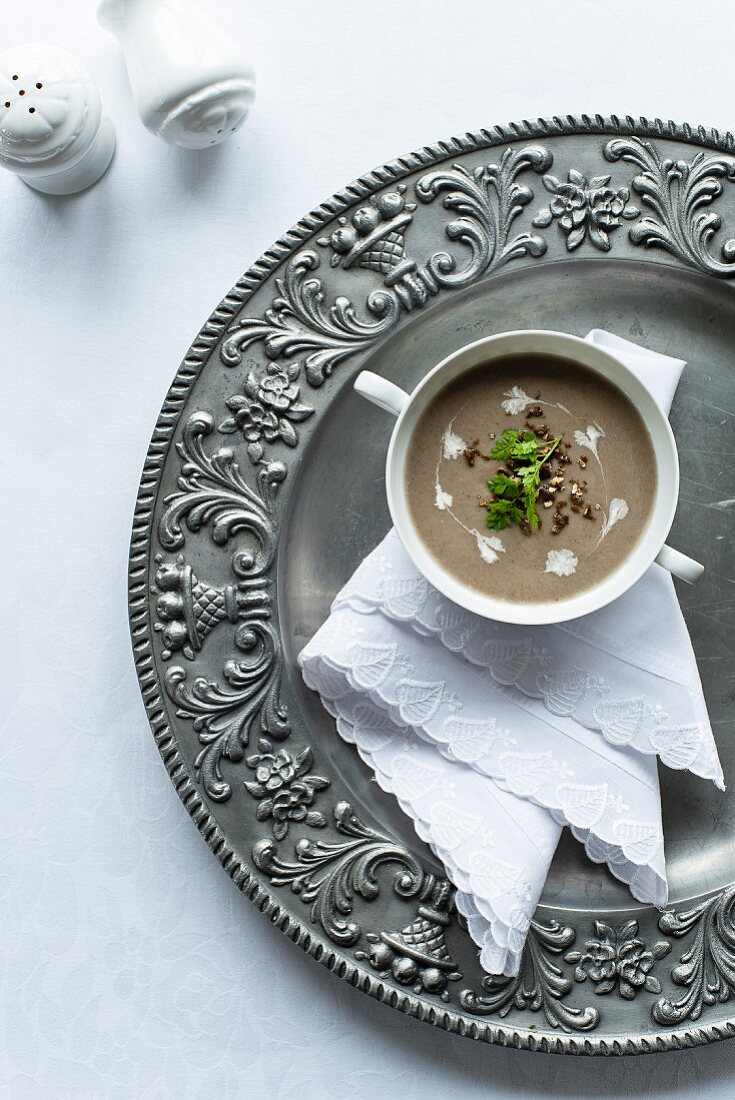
[268,409]
[618,957]
[584,207]
[284,788]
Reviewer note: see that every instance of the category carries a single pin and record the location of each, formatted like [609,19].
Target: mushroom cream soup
[530,478]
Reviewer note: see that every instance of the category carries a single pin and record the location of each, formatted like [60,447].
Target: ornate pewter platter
[263,488]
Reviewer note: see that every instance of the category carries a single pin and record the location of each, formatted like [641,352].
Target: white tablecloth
[130,966]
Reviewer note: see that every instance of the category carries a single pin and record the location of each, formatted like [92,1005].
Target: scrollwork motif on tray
[300,322]
[487,201]
[211,492]
[327,875]
[540,985]
[679,192]
[706,970]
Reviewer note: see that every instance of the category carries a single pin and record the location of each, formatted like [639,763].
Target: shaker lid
[49,105]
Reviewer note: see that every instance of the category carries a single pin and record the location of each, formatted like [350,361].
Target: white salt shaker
[191,84]
[52,131]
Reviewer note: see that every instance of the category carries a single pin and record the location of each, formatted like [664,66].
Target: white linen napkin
[493,737]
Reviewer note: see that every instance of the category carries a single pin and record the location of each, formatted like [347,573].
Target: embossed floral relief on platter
[232,464]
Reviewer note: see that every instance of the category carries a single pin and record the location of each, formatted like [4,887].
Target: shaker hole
[22,91]
[39,85]
[16,77]
[31,110]
[8,103]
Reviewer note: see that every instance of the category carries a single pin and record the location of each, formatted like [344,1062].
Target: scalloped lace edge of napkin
[570,692]
[645,883]
[542,780]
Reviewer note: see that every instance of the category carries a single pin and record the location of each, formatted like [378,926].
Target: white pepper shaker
[191,83]
[52,131]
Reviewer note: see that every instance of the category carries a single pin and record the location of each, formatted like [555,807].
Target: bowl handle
[381,392]
[686,569]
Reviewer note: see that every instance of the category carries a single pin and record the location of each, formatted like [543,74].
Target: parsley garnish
[515,496]
[513,444]
[503,486]
[501,513]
